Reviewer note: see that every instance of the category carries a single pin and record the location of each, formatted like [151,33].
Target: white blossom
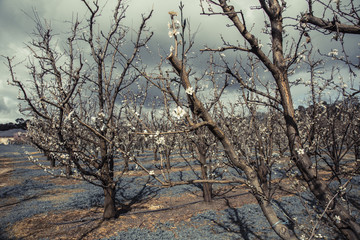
[318,235]
[160,141]
[173,28]
[177,24]
[101,115]
[301,151]
[189,91]
[300,58]
[69,116]
[333,52]
[179,112]
[337,218]
[151,172]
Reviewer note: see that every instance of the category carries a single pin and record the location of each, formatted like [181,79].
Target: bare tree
[75,91]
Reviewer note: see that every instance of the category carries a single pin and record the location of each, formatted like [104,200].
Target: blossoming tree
[203,117]
[280,64]
[75,91]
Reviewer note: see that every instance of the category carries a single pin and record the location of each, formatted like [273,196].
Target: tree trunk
[52,161]
[126,164]
[50,157]
[357,155]
[168,163]
[207,187]
[68,169]
[109,185]
[109,202]
[207,192]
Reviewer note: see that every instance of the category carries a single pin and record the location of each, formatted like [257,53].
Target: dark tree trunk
[50,158]
[168,163]
[126,164]
[357,156]
[357,151]
[52,161]
[155,154]
[109,202]
[207,187]
[108,182]
[68,169]
[207,192]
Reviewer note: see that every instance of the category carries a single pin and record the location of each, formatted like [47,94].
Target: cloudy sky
[17,26]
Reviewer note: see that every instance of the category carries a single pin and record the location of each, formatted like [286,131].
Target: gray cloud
[17,28]
[3,108]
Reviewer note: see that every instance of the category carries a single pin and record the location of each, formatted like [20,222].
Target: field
[36,205]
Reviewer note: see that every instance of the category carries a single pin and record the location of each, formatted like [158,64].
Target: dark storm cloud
[17,27]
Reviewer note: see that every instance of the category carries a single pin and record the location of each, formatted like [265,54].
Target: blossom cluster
[173,28]
[179,112]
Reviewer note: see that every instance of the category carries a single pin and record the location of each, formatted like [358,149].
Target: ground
[35,205]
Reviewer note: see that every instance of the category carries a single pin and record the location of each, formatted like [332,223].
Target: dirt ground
[88,223]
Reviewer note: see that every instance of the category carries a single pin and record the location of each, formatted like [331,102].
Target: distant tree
[21,123]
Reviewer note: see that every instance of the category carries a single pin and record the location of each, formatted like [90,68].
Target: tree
[280,68]
[203,118]
[75,91]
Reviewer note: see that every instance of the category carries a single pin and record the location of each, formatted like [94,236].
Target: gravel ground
[246,222]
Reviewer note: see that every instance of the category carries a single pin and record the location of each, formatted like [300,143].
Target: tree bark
[332,26]
[207,187]
[108,181]
[68,169]
[168,159]
[109,202]
[52,161]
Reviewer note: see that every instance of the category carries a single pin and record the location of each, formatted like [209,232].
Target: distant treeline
[19,123]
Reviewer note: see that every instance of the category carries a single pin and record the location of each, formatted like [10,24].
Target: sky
[17,26]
